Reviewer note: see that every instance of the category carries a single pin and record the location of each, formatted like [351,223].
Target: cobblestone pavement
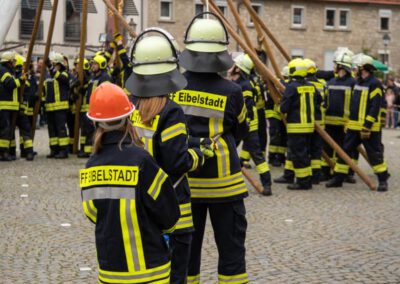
[347,235]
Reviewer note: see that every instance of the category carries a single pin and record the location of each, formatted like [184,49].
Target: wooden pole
[117,14]
[81,74]
[43,69]
[254,182]
[266,74]
[28,60]
[116,30]
[257,19]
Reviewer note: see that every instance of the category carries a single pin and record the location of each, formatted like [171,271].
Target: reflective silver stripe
[138,276]
[108,193]
[223,156]
[132,237]
[208,191]
[203,112]
[146,144]
[342,88]
[361,88]
[89,208]
[218,182]
[158,184]
[145,132]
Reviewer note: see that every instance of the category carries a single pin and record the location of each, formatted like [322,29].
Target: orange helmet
[109,102]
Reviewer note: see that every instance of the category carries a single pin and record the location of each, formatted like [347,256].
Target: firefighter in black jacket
[23,123]
[299,103]
[239,73]
[56,105]
[99,76]
[215,111]
[9,103]
[127,196]
[337,103]
[162,127]
[364,125]
[125,71]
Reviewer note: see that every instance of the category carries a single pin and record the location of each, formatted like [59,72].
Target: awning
[33,4]
[380,66]
[78,6]
[130,8]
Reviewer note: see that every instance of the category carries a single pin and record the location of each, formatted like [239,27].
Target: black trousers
[180,252]
[262,129]
[71,127]
[299,153]
[229,224]
[5,130]
[26,144]
[373,147]
[87,132]
[316,153]
[277,140]
[57,128]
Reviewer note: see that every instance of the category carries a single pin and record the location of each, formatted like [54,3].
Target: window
[344,19]
[297,53]
[385,19]
[297,16]
[199,8]
[384,56]
[72,26]
[257,8]
[222,6]
[166,9]
[27,21]
[330,18]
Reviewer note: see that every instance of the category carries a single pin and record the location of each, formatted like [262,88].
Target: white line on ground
[24,195]
[65,225]
[85,269]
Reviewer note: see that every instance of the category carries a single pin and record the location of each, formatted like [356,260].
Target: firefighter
[99,76]
[299,103]
[364,126]
[126,195]
[337,102]
[125,70]
[316,141]
[161,125]
[77,91]
[9,103]
[277,130]
[240,73]
[215,111]
[56,105]
[23,123]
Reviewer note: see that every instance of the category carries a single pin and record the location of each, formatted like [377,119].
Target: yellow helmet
[297,68]
[19,60]
[86,65]
[7,56]
[101,61]
[244,63]
[311,66]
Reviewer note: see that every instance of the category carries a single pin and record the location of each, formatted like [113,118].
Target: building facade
[313,29]
[66,35]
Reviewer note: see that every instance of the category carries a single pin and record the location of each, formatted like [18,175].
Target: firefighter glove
[118,37]
[365,133]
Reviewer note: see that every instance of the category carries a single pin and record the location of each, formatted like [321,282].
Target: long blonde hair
[149,107]
[127,128]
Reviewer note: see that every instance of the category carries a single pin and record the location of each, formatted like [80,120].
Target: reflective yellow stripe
[63,141]
[269,113]
[56,106]
[4,143]
[5,76]
[216,182]
[233,279]
[53,141]
[28,143]
[223,160]
[155,187]
[380,168]
[370,118]
[173,131]
[88,149]
[219,193]
[289,165]
[193,279]
[341,168]
[109,175]
[315,164]
[125,234]
[195,159]
[300,127]
[335,120]
[303,172]
[242,116]
[90,210]
[247,93]
[245,155]
[262,168]
[375,92]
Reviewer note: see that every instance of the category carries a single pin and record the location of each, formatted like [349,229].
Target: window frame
[170,17]
[385,13]
[303,16]
[348,11]
[259,7]
[326,18]
[297,53]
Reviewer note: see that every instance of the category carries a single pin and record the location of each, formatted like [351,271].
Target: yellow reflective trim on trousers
[63,141]
[56,106]
[289,165]
[315,164]
[53,141]
[341,168]
[233,279]
[155,187]
[242,116]
[109,175]
[273,148]
[380,168]
[245,155]
[303,172]
[219,193]
[88,149]
[83,139]
[195,159]
[173,131]
[262,168]
[193,279]
[145,276]
[4,143]
[28,143]
[375,92]
[13,143]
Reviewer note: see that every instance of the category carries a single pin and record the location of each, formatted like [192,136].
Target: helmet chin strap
[110,127]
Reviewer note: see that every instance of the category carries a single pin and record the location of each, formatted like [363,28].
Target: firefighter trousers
[299,153]
[316,154]
[262,129]
[71,127]
[58,136]
[277,140]
[180,253]
[87,132]
[25,135]
[373,147]
[229,224]
[5,130]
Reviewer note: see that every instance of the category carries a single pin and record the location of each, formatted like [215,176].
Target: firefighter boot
[336,181]
[301,184]
[5,157]
[287,177]
[266,183]
[63,154]
[29,156]
[325,174]
[383,184]
[315,179]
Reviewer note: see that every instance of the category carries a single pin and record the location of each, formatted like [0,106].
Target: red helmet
[109,102]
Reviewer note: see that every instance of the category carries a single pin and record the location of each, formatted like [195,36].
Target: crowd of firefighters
[191,126]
